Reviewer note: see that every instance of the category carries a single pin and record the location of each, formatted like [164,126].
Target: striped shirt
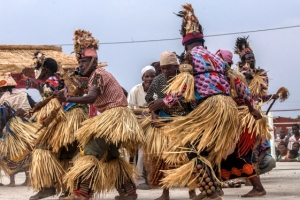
[111,92]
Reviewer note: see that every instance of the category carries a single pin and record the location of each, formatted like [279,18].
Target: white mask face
[37,72]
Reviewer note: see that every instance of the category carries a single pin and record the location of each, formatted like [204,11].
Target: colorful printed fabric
[242,91]
[209,76]
[156,87]
[112,94]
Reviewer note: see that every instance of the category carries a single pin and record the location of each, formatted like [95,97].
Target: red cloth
[191,36]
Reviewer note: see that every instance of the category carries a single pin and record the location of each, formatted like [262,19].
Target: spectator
[265,160]
[283,152]
[296,146]
[295,137]
[293,156]
[282,138]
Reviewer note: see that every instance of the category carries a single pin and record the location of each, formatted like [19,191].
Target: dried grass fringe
[183,176]
[3,169]
[115,125]
[212,125]
[178,83]
[232,74]
[257,127]
[155,141]
[25,135]
[45,170]
[104,176]
[54,132]
[257,83]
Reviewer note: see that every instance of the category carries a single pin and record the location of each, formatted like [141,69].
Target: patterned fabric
[242,90]
[209,76]
[50,85]
[111,92]
[264,145]
[157,86]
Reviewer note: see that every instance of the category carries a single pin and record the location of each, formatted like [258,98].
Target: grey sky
[54,21]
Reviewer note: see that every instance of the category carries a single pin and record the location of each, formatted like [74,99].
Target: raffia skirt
[116,125]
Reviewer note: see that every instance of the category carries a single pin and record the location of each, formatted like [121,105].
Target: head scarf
[168,58]
[225,55]
[146,69]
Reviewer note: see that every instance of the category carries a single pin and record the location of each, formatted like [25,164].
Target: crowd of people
[194,121]
[287,147]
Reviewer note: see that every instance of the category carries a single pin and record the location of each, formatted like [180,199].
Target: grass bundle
[114,125]
[117,171]
[258,83]
[155,141]
[212,125]
[283,93]
[45,169]
[22,141]
[86,168]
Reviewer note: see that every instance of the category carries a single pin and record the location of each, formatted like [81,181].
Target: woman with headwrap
[136,99]
[156,142]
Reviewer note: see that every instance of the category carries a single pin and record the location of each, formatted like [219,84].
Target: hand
[60,96]
[20,112]
[275,96]
[156,105]
[256,114]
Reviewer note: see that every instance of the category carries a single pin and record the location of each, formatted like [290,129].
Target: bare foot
[255,193]
[11,185]
[192,194]
[163,197]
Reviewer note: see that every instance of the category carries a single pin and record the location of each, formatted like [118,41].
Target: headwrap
[242,47]
[7,80]
[147,68]
[85,45]
[191,29]
[168,58]
[225,55]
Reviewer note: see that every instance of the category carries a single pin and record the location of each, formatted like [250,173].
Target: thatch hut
[15,58]
[18,59]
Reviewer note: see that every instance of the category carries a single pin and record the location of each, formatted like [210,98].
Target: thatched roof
[14,58]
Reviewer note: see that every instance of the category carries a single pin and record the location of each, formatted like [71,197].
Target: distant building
[284,123]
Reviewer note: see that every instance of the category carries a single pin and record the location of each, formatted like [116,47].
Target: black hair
[283,143]
[296,143]
[51,65]
[294,153]
[9,88]
[297,125]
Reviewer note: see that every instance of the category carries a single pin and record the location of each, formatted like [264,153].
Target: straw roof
[14,58]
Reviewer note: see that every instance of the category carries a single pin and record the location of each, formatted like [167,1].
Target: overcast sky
[53,22]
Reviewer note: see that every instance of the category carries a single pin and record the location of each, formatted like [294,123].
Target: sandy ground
[283,182]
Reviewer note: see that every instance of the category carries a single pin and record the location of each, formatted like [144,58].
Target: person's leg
[26,170]
[165,195]
[267,164]
[11,180]
[140,161]
[257,190]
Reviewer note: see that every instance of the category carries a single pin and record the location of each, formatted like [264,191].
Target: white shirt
[137,96]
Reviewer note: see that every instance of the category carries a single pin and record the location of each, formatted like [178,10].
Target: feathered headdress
[190,28]
[85,45]
[40,58]
[242,46]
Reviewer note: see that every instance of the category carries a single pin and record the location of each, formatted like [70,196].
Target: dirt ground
[281,183]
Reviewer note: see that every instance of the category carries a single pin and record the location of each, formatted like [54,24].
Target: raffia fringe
[175,155]
[104,176]
[25,135]
[232,74]
[45,170]
[54,133]
[257,83]
[213,124]
[156,142]
[3,169]
[183,176]
[115,125]
[257,127]
[183,81]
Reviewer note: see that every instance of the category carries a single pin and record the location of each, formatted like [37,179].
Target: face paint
[37,72]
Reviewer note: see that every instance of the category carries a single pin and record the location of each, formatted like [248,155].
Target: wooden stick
[270,106]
